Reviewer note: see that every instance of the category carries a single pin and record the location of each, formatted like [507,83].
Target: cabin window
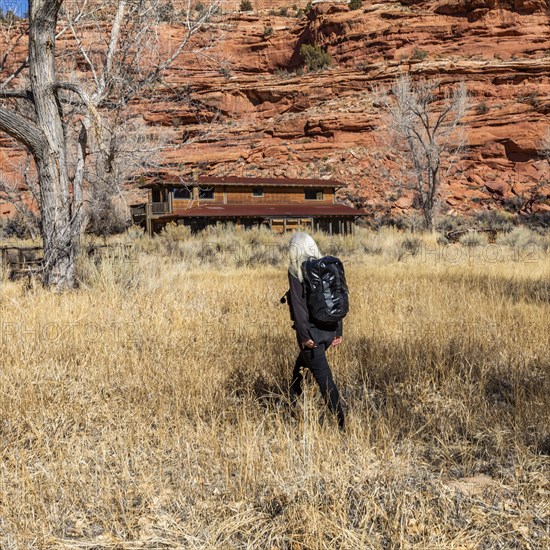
[156,195]
[257,191]
[206,192]
[313,194]
[183,193]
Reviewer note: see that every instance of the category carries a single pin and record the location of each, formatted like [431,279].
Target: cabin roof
[171,180]
[266,211]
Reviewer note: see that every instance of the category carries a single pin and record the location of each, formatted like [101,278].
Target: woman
[313,339]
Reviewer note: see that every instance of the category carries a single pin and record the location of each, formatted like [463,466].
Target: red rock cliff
[255,112]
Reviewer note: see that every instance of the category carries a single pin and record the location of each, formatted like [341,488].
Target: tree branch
[17,94]
[15,73]
[22,130]
[115,33]
[86,99]
[83,52]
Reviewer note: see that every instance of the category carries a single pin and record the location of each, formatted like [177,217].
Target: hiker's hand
[309,344]
[337,341]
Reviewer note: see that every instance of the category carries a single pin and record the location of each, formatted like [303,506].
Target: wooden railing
[20,255]
[22,261]
[158,208]
[137,210]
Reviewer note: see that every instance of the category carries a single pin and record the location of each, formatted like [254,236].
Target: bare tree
[69,120]
[425,126]
[131,147]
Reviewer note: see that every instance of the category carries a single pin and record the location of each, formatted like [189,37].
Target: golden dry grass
[148,408]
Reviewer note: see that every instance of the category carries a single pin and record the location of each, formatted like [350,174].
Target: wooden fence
[22,261]
[28,261]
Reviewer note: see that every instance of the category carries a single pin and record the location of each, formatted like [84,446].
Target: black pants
[315,359]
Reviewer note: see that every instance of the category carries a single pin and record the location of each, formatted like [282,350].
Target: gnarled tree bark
[59,231]
[44,137]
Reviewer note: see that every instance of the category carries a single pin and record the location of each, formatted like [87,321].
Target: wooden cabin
[278,203]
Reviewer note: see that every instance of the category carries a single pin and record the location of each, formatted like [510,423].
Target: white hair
[302,248]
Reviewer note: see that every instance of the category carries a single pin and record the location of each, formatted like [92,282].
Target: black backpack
[327,290]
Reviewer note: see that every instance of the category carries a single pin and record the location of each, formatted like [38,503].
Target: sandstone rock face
[255,111]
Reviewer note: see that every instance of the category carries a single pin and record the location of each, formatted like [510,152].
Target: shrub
[472,239]
[175,232]
[521,238]
[166,12]
[315,58]
[355,4]
[225,72]
[448,224]
[495,220]
[482,108]
[268,31]
[22,226]
[283,12]
[108,215]
[410,246]
[419,55]
[530,99]
[107,222]
[246,5]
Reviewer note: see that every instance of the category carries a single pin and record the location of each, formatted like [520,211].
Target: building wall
[243,195]
[274,195]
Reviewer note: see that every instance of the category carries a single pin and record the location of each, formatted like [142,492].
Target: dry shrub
[523,238]
[473,239]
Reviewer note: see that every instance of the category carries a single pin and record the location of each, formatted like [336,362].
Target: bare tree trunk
[428,206]
[428,214]
[60,245]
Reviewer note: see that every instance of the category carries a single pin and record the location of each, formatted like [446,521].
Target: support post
[148,222]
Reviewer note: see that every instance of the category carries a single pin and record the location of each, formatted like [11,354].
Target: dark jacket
[306,329]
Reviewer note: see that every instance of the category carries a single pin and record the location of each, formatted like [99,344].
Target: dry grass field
[148,408]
